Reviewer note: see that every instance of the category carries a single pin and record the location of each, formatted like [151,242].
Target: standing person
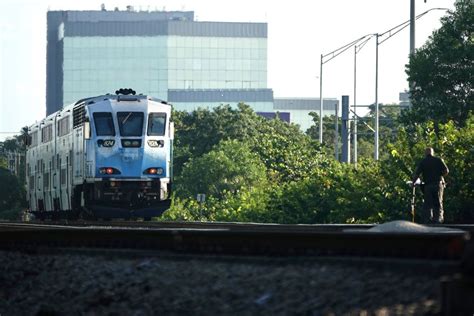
[432,169]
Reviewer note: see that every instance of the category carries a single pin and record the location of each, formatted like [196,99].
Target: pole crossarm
[342,49]
[362,120]
[359,47]
[397,29]
[364,39]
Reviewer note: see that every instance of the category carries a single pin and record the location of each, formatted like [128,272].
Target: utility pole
[321,101]
[412,27]
[355,105]
[346,133]
[376,150]
[412,38]
[336,133]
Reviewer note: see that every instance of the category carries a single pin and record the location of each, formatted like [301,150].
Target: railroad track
[227,225]
[236,238]
[447,251]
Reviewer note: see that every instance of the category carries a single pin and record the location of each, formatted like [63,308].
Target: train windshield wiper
[126,118]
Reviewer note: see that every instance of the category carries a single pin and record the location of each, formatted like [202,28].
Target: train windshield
[130,123]
[156,124]
[104,125]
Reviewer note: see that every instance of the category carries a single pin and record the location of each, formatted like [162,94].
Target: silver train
[108,156]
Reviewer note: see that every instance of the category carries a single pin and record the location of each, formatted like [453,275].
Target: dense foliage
[11,195]
[12,191]
[286,178]
[229,168]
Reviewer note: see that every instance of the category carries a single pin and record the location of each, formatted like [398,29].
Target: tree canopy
[229,167]
[11,194]
[442,71]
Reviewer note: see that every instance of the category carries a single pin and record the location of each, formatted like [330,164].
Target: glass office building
[161,53]
[154,52]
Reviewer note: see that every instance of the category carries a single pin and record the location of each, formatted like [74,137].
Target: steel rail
[448,245]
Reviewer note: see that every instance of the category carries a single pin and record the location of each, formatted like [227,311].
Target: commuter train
[108,156]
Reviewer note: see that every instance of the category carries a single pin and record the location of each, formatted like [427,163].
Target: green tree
[443,71]
[11,195]
[199,131]
[229,167]
[16,145]
[233,179]
[12,187]
[3,158]
[287,153]
[328,129]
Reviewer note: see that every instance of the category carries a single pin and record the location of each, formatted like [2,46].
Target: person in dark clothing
[433,171]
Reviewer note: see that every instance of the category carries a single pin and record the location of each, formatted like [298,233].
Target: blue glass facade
[97,65]
[95,52]
[165,54]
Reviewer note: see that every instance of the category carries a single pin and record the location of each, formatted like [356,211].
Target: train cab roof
[120,95]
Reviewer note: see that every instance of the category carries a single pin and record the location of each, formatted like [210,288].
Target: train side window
[32,183]
[63,176]
[46,180]
[104,125]
[130,123]
[63,126]
[156,124]
[47,133]
[34,139]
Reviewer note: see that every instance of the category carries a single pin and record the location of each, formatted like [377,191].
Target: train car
[108,156]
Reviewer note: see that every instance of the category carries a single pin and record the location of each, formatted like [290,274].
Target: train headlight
[154,171]
[109,171]
[156,143]
[134,143]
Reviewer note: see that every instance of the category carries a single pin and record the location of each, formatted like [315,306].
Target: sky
[298,33]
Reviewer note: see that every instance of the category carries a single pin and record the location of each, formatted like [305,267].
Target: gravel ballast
[78,284]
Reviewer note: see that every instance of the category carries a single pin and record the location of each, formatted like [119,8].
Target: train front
[129,157]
